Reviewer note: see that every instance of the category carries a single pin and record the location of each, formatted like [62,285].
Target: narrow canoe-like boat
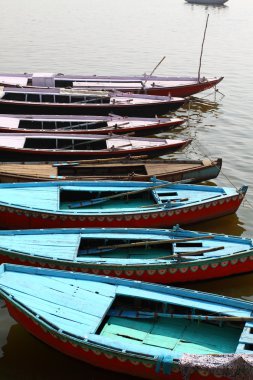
[67,124]
[50,147]
[118,169]
[112,204]
[59,101]
[207,2]
[146,330]
[153,85]
[152,255]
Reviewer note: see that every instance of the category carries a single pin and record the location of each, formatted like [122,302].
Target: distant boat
[50,147]
[67,124]
[207,2]
[57,101]
[154,85]
[113,204]
[146,330]
[125,169]
[152,255]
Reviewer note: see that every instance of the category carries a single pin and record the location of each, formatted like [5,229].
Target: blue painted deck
[64,244]
[47,196]
[76,305]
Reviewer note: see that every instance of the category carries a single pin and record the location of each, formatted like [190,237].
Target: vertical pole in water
[202,47]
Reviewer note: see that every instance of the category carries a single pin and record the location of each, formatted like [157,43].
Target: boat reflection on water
[230,225]
[240,286]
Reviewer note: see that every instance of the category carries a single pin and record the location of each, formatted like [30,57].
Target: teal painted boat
[152,255]
[137,328]
[113,204]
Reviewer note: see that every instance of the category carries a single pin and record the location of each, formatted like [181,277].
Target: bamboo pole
[202,47]
[152,72]
[126,194]
[155,242]
[144,314]
[195,253]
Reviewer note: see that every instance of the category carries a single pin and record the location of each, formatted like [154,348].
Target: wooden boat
[112,204]
[118,169]
[153,85]
[50,147]
[152,255]
[207,2]
[141,329]
[59,101]
[85,124]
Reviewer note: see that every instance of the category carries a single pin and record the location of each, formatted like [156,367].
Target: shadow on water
[229,225]
[208,6]
[35,360]
[240,286]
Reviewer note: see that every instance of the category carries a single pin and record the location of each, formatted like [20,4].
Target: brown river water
[131,37]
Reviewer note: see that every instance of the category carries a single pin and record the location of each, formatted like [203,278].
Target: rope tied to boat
[164,364]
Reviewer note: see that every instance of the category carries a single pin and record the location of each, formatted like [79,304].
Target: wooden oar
[178,255]
[172,200]
[102,161]
[144,314]
[80,125]
[154,242]
[126,194]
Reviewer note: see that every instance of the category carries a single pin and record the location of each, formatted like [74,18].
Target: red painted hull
[103,358]
[19,154]
[138,131]
[242,263]
[181,91]
[15,218]
[184,90]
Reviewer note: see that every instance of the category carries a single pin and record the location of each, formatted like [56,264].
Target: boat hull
[159,273]
[140,130]
[207,2]
[101,357]
[196,174]
[146,109]
[12,217]
[176,89]
[16,154]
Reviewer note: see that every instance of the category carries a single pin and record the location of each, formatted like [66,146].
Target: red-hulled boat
[67,124]
[153,85]
[140,329]
[58,101]
[50,147]
[113,204]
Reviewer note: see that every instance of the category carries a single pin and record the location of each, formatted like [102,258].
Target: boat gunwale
[147,210]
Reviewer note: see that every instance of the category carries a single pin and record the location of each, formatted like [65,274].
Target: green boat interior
[169,326]
[91,199]
[133,248]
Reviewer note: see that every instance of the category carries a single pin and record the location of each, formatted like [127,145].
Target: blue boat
[137,328]
[113,204]
[151,255]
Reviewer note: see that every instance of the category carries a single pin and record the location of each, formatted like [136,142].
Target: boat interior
[65,144]
[74,200]
[113,246]
[132,319]
[103,170]
[147,322]
[61,125]
[54,98]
